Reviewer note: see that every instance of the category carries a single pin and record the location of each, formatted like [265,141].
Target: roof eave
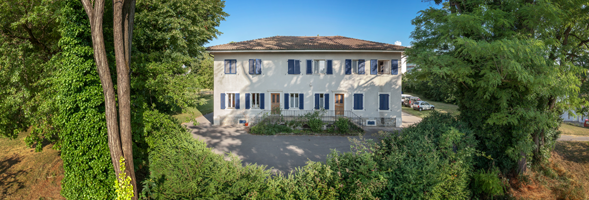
[304,51]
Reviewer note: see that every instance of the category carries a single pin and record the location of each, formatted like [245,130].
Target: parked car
[403,97]
[422,105]
[409,100]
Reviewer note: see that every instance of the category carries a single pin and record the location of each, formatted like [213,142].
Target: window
[294,66]
[320,67]
[321,101]
[355,66]
[382,67]
[358,101]
[230,66]
[255,66]
[255,100]
[230,100]
[383,101]
[294,100]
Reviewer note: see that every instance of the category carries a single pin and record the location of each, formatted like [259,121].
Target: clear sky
[385,21]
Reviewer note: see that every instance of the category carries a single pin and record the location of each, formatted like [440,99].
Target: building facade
[331,73]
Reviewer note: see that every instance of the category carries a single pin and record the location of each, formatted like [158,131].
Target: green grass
[192,113]
[440,107]
[568,129]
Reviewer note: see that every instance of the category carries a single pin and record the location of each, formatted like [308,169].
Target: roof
[306,43]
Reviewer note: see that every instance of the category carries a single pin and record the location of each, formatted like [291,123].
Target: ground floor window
[321,101]
[294,100]
[230,100]
[255,100]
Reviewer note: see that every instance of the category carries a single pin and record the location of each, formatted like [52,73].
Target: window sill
[384,110]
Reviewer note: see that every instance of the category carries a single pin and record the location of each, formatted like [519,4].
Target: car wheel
[420,109]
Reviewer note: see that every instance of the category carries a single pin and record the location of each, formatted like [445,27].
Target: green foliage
[314,121]
[267,128]
[487,183]
[343,125]
[432,88]
[123,188]
[28,41]
[80,122]
[513,66]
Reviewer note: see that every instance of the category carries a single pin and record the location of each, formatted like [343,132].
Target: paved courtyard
[280,152]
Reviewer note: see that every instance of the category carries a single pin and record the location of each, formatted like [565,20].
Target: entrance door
[339,104]
[275,103]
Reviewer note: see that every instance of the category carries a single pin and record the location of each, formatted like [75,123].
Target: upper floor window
[323,67]
[294,66]
[383,67]
[255,66]
[230,66]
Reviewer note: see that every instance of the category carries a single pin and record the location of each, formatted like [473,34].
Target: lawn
[440,107]
[198,111]
[568,129]
[26,174]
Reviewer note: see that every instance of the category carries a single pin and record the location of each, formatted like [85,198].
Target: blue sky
[375,20]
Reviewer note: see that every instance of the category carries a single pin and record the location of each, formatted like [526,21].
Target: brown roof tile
[306,43]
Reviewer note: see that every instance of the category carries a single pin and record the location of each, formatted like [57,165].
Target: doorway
[275,103]
[339,104]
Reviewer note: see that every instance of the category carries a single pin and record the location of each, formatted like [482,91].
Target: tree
[513,65]
[28,41]
[119,142]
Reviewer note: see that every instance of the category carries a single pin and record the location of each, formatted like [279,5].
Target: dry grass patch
[25,174]
[565,177]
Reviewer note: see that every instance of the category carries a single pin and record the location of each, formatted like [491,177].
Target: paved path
[281,152]
[573,138]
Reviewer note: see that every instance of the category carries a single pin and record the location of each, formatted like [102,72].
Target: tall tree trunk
[95,13]
[121,40]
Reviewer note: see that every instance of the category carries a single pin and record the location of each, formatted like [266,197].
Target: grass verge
[440,107]
[26,174]
[568,129]
[192,113]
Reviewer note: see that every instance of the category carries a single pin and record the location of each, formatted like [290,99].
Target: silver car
[422,105]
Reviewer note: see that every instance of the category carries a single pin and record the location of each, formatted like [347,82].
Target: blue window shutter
[233,67]
[301,101]
[286,100]
[226,66]
[361,102]
[222,101]
[309,67]
[316,101]
[386,101]
[395,67]
[329,67]
[252,63]
[373,67]
[348,66]
[361,64]
[297,67]
[236,100]
[357,101]
[290,66]
[381,102]
[247,100]
[258,66]
[326,101]
[262,101]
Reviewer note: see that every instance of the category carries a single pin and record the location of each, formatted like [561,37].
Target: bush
[487,183]
[343,125]
[314,121]
[266,128]
[430,160]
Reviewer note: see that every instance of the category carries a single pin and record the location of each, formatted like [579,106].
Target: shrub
[343,125]
[266,128]
[314,121]
[487,183]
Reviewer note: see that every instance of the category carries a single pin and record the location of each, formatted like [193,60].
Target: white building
[296,74]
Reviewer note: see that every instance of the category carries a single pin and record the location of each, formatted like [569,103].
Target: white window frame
[316,66]
[228,100]
[322,101]
[385,64]
[363,101]
[252,100]
[290,100]
[378,100]
[355,66]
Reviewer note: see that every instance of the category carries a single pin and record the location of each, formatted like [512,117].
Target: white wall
[275,79]
[572,118]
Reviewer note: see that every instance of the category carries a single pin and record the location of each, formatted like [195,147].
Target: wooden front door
[275,103]
[339,104]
